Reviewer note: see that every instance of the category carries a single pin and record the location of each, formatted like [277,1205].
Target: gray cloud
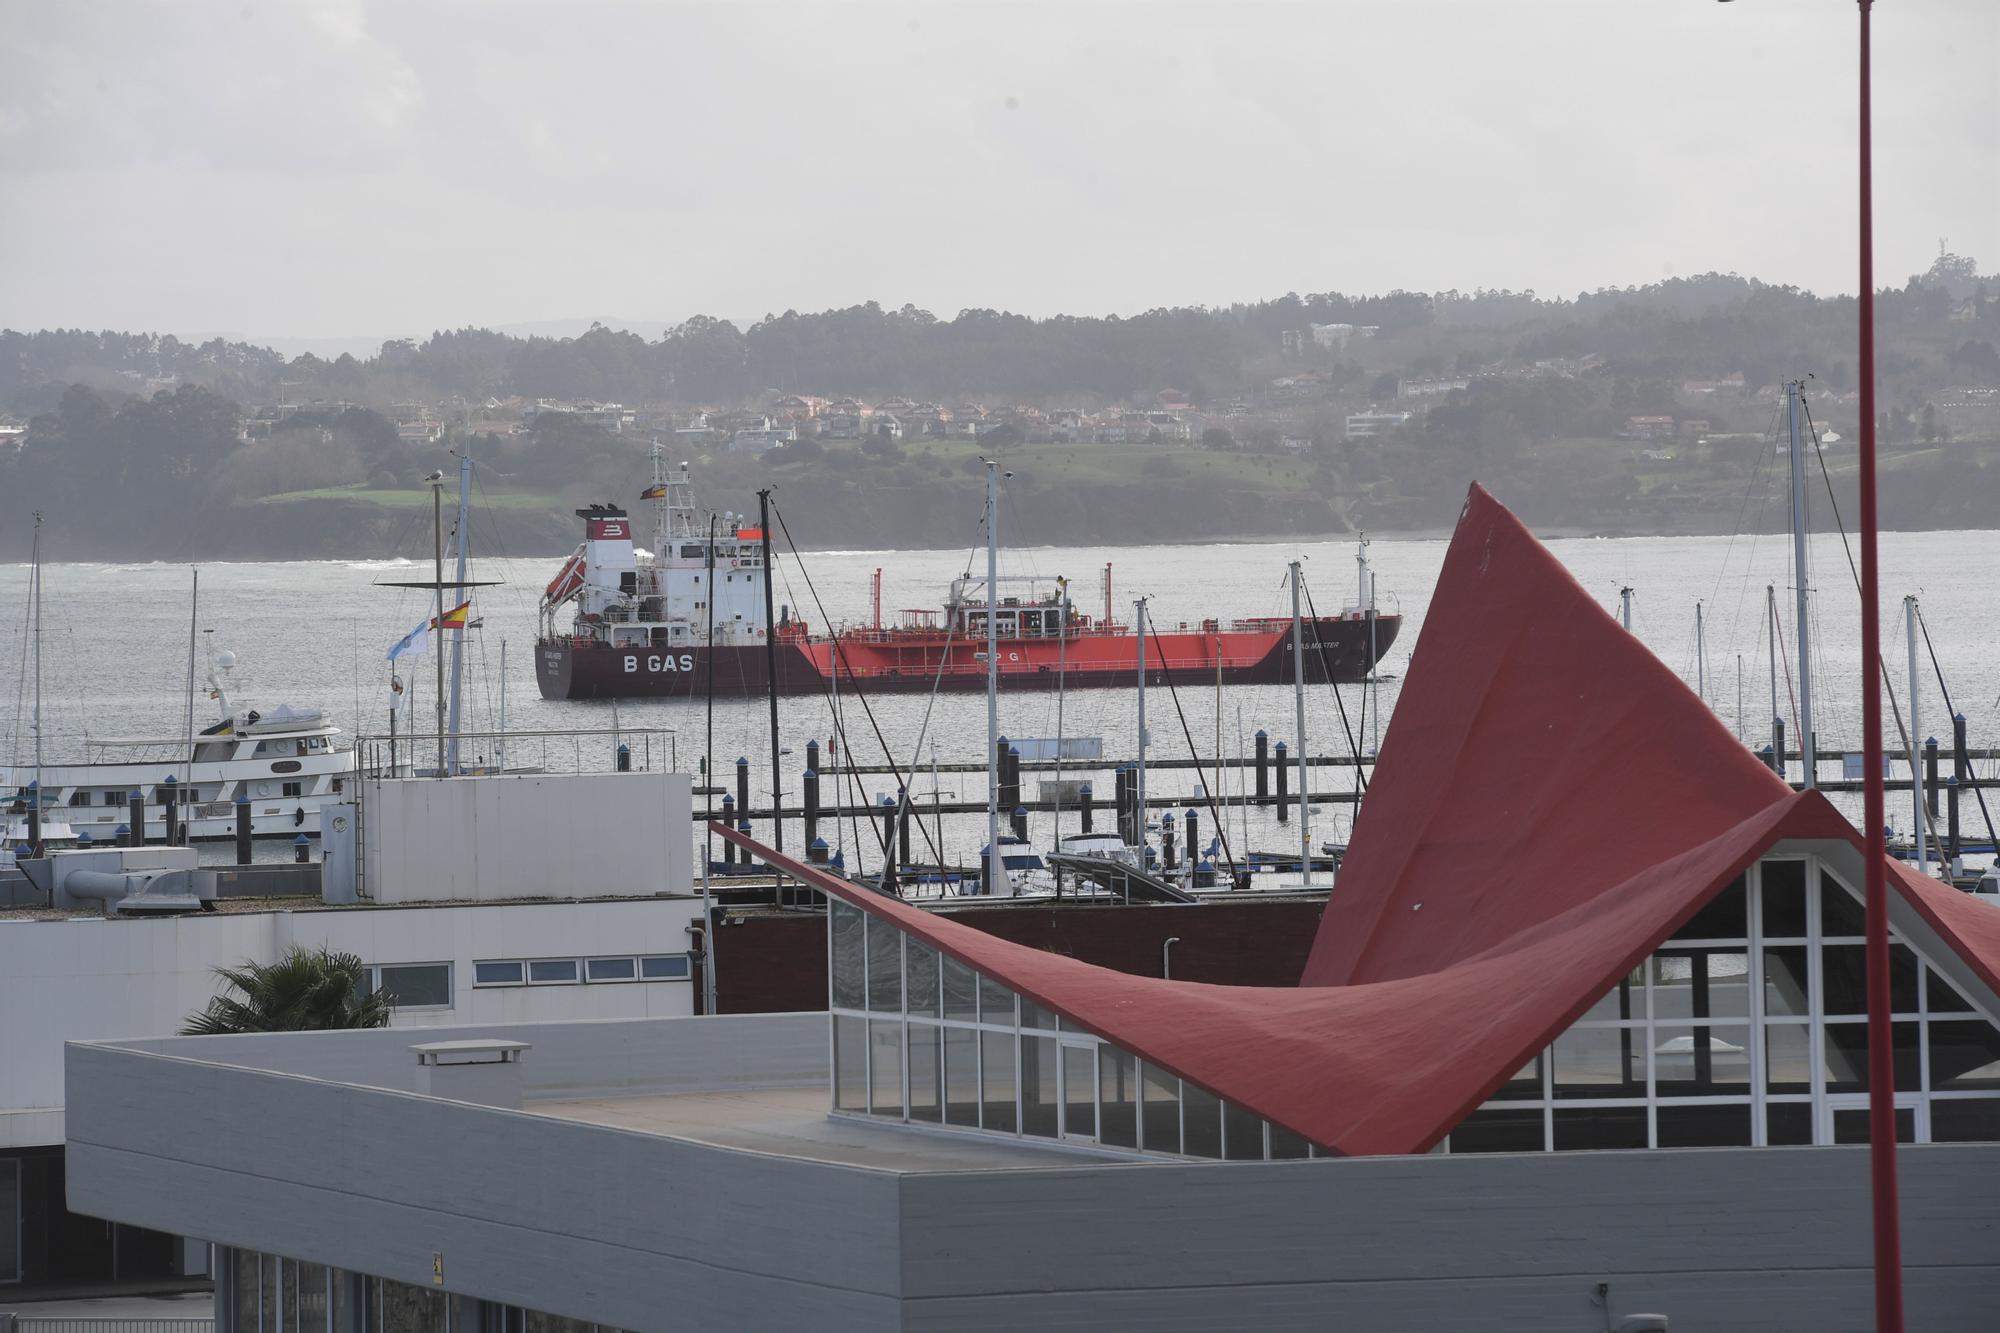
[389,168]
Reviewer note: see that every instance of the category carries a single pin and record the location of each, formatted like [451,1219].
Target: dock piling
[1263,765]
[1284,787]
[243,828]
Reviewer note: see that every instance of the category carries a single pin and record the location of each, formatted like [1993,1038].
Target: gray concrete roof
[794,1122]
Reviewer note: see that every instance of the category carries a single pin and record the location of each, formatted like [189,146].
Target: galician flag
[416,641]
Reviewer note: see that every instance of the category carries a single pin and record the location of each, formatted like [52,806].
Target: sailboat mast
[770,665]
[194,615]
[1299,707]
[1916,780]
[1771,648]
[500,744]
[1794,392]
[995,865]
[1139,773]
[458,638]
[35,600]
[437,580]
[1700,656]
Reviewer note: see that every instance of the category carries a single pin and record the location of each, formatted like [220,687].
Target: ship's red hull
[1255,653]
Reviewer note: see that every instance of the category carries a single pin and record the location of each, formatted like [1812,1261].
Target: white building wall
[531,835]
[87,978]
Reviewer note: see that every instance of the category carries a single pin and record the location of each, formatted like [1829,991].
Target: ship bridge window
[694,552]
[79,798]
[114,798]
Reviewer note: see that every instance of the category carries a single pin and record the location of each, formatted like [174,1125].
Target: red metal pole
[1881,1062]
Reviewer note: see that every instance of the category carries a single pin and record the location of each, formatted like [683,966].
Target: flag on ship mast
[419,639]
[657,491]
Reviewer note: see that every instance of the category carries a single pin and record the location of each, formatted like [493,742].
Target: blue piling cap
[819,844]
[136,796]
[34,786]
[623,748]
[1085,787]
[1951,781]
[1930,740]
[1262,734]
[123,831]
[1014,750]
[743,825]
[728,801]
[170,781]
[1001,741]
[886,800]
[1281,745]
[813,774]
[1207,866]
[1958,717]
[302,841]
[1766,749]
[742,761]
[242,798]
[83,838]
[1021,810]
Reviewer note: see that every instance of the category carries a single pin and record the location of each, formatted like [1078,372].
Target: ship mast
[1299,704]
[995,865]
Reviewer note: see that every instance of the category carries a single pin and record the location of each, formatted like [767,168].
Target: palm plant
[306,990]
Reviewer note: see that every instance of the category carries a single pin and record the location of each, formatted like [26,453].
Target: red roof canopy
[1550,805]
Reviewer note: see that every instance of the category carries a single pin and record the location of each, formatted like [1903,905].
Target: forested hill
[221,449]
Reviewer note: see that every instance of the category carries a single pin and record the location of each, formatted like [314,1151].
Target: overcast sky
[342,168]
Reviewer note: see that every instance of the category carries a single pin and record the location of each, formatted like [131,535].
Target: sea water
[115,655]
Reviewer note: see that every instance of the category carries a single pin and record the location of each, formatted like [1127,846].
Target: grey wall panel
[569,1059]
[1690,1225]
[522,1206]
[1822,1302]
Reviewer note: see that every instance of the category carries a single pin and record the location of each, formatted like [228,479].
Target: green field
[412,498]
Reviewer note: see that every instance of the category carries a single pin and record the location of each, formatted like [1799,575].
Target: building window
[293,789]
[611,969]
[10,1219]
[491,972]
[413,985]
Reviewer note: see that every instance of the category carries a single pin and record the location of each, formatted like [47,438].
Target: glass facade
[1748,1028]
[920,1038]
[262,1293]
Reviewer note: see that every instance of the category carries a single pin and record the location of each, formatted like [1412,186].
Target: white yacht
[288,762]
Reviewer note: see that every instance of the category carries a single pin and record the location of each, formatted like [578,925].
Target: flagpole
[1881,1060]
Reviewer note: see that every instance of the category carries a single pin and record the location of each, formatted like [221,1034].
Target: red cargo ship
[641,627]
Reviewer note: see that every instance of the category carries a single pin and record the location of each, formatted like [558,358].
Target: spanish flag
[453,619]
[658,492]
